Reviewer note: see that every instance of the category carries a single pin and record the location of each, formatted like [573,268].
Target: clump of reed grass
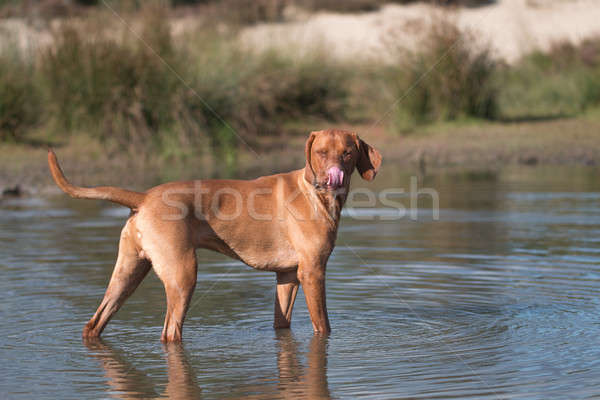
[149,93]
[561,82]
[450,76]
[19,97]
[144,92]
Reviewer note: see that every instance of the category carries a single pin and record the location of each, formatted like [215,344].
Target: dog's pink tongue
[335,177]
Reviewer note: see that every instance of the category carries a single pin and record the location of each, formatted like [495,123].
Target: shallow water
[498,298]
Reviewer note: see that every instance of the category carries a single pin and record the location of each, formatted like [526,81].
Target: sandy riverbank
[512,27]
[474,147]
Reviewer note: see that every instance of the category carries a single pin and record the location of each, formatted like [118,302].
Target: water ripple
[497,299]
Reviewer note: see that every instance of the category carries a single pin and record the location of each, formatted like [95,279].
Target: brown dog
[285,223]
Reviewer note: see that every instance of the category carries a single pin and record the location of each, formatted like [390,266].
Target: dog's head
[332,155]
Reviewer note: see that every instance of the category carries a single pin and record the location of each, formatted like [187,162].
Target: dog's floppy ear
[309,173]
[369,159]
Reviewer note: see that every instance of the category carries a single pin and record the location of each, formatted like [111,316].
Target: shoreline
[467,146]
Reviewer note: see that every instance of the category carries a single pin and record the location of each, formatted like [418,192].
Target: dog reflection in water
[295,380]
[128,382]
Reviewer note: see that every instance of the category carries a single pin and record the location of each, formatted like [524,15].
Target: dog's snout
[335,177]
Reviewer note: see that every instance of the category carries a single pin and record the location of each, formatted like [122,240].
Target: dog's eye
[347,155]
[322,153]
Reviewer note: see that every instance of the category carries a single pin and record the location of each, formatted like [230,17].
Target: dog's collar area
[322,187]
[326,188]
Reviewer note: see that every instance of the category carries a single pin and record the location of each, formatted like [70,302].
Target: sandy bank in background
[512,27]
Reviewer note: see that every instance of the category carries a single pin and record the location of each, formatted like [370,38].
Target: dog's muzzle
[335,178]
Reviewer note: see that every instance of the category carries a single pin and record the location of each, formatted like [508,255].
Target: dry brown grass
[494,145]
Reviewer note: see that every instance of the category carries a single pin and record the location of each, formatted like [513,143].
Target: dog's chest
[280,259]
[263,247]
[265,250]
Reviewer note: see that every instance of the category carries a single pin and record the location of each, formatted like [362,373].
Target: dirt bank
[512,27]
[477,146]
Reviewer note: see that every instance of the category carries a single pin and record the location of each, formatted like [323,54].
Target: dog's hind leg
[129,271]
[179,281]
[287,288]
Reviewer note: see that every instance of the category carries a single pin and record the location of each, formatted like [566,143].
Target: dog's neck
[332,200]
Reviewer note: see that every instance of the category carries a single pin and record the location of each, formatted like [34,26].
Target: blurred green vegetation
[149,93]
[451,77]
[561,82]
[454,77]
[19,96]
[203,89]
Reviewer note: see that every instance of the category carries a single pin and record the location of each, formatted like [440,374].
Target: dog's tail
[124,197]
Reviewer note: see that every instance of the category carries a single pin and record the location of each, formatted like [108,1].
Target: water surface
[499,298]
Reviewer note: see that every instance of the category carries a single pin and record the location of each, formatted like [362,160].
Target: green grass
[451,77]
[562,82]
[468,83]
[203,94]
[155,95]
[19,100]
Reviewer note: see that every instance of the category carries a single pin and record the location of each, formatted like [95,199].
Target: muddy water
[498,298]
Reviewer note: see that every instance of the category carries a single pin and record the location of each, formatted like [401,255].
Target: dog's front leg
[287,288]
[312,277]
